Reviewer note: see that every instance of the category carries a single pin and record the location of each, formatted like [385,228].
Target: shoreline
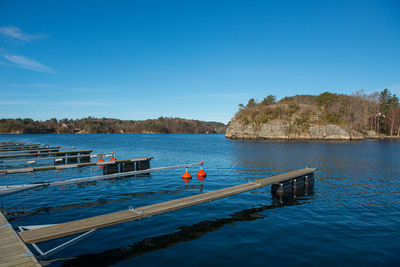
[103,133]
[315,139]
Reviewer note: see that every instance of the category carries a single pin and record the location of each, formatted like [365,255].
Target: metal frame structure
[44,255]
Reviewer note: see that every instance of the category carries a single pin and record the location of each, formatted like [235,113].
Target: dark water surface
[352,218]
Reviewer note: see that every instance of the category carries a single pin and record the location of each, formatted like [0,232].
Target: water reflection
[185,233]
[13,214]
[355,222]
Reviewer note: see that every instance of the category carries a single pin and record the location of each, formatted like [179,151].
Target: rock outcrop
[279,129]
[327,116]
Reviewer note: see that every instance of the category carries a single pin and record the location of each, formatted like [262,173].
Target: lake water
[351,218]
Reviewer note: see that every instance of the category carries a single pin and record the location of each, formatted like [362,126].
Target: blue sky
[192,59]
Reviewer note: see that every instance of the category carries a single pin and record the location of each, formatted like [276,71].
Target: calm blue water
[352,218]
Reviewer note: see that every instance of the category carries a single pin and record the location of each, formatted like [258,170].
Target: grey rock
[372,134]
[279,129]
[274,129]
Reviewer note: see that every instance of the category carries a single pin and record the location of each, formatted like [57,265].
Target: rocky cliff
[279,129]
[292,121]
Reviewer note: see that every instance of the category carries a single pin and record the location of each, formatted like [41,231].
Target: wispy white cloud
[18,61]
[85,103]
[24,63]
[17,34]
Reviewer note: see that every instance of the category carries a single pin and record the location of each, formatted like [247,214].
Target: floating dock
[11,143]
[10,189]
[13,252]
[74,152]
[68,166]
[30,149]
[57,158]
[70,228]
[20,146]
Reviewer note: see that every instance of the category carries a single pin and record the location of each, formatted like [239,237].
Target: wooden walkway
[10,189]
[68,166]
[83,225]
[30,161]
[20,146]
[13,252]
[13,143]
[30,149]
[44,154]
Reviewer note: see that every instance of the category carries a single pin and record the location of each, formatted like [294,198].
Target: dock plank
[19,146]
[30,149]
[68,166]
[17,170]
[44,154]
[12,250]
[18,262]
[83,225]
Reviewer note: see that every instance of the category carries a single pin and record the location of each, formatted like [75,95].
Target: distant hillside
[325,116]
[106,125]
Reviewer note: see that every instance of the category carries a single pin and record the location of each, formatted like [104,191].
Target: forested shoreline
[324,116]
[93,125]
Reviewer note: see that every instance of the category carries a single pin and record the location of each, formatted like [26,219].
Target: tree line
[93,125]
[378,111]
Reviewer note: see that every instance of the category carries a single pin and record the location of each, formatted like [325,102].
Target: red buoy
[201,175]
[186,176]
[100,160]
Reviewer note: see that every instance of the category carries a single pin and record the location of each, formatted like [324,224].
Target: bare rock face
[238,131]
[372,134]
[356,135]
[12,132]
[279,129]
[329,131]
[275,129]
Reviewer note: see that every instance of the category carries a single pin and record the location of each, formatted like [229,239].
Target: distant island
[93,125]
[325,116]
